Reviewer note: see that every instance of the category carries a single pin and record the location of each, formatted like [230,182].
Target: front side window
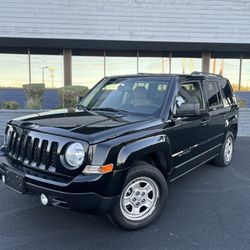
[190,92]
[213,94]
[141,95]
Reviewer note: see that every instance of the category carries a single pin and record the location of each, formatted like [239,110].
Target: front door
[188,135]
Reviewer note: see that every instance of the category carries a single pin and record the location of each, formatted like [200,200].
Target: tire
[143,197]
[225,158]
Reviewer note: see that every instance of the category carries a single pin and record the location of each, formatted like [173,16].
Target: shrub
[34,93]
[69,95]
[10,105]
[242,103]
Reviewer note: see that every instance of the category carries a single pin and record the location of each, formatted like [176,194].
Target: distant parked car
[126,140]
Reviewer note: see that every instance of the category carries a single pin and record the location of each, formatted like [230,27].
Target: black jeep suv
[120,147]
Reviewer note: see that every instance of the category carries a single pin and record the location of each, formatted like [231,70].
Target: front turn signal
[90,169]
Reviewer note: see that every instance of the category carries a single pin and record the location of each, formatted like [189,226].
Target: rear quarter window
[213,94]
[227,93]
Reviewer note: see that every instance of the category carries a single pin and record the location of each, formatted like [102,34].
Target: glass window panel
[185,65]
[229,68]
[245,75]
[226,91]
[153,65]
[213,93]
[190,92]
[14,70]
[48,68]
[121,65]
[87,70]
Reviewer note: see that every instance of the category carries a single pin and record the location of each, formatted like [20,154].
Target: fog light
[3,178]
[44,199]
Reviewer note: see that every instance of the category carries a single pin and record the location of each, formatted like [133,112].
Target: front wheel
[226,154]
[142,199]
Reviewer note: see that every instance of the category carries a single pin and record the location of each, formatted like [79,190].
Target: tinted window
[190,92]
[213,94]
[227,93]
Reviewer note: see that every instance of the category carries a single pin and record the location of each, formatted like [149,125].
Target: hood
[85,125]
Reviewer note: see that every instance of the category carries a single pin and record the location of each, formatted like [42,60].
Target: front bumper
[92,194]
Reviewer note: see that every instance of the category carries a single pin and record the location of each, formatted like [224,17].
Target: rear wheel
[142,199]
[226,154]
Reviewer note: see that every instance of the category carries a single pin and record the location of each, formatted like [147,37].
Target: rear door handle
[204,122]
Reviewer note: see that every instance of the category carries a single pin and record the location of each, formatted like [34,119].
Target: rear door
[217,115]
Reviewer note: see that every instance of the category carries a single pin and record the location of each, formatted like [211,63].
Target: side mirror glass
[188,109]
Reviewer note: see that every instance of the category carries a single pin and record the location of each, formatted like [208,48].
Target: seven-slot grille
[33,151]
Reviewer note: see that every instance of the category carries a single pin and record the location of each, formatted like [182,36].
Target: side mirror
[188,109]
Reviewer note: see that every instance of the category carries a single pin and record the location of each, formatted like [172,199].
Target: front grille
[33,151]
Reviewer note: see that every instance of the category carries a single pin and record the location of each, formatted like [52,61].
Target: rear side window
[227,93]
[213,94]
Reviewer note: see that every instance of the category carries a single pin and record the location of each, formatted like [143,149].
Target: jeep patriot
[127,139]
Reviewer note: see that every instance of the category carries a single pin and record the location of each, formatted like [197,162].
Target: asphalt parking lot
[207,209]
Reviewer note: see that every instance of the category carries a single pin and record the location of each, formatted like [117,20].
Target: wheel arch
[234,129]
[155,150]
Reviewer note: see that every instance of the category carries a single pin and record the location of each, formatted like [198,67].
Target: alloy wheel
[139,198]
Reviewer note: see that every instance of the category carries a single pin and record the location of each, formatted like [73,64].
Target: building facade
[72,42]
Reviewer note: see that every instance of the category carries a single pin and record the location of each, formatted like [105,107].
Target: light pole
[43,68]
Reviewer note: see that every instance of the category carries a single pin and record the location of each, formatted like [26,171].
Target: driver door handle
[204,122]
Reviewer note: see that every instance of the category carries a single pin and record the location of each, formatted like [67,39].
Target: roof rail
[205,74]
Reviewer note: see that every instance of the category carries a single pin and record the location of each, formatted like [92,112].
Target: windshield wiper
[110,110]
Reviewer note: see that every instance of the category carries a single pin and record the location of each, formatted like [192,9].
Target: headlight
[8,135]
[74,155]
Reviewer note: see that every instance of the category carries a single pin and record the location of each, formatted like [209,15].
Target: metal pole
[170,62]
[241,57]
[29,59]
[43,68]
[137,66]
[104,61]
[43,75]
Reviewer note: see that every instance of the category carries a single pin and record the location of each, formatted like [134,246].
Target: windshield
[141,95]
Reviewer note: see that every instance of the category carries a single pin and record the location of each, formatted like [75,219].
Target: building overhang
[42,45]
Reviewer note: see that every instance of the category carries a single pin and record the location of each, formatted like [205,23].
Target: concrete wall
[6,115]
[50,97]
[244,125]
[225,21]
[245,95]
